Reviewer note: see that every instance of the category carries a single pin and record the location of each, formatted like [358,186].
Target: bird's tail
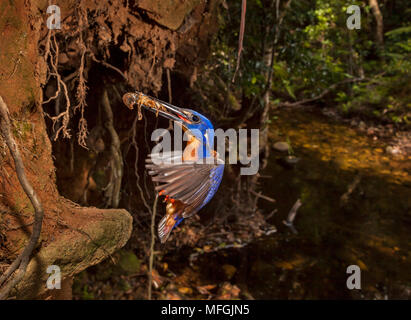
[167,224]
[173,217]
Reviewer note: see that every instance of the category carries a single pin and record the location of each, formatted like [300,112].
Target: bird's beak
[157,106]
[172,112]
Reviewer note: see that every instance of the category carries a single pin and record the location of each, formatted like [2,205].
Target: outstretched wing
[191,183]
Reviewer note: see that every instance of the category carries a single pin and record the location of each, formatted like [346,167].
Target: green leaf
[289,89]
[398,31]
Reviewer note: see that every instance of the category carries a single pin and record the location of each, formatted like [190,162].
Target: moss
[100,178]
[104,274]
[128,262]
[20,243]
[87,295]
[22,204]
[124,285]
[22,129]
[235,105]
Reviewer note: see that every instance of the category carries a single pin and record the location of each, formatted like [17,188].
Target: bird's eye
[195,118]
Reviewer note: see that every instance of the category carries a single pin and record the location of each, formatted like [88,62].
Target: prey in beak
[168,111]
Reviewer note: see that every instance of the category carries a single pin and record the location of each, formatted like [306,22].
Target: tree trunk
[379,32]
[268,61]
[65,239]
[31,58]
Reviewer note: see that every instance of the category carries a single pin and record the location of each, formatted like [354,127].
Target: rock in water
[281,146]
[291,159]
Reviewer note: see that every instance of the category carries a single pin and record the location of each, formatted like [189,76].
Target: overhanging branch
[321,95]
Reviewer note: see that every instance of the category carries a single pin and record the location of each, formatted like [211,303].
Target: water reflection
[356,210]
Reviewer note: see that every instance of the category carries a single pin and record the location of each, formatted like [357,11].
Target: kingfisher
[188,180]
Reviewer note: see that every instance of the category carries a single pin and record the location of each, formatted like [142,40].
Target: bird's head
[197,124]
[192,121]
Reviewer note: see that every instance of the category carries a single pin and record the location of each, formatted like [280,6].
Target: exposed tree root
[20,264]
[65,115]
[107,65]
[134,144]
[117,159]
[81,98]
[52,51]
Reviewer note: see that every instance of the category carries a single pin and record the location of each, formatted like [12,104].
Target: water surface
[356,211]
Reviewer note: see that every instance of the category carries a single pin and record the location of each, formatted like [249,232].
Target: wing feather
[188,181]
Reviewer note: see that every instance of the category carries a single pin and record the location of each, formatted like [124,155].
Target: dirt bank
[45,83]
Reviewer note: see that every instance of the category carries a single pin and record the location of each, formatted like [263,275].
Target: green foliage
[87,295]
[316,50]
[128,262]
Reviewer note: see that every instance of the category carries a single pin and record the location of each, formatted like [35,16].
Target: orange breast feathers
[191,150]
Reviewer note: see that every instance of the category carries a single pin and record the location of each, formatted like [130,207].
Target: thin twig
[291,216]
[321,95]
[153,240]
[260,195]
[293,211]
[344,198]
[134,144]
[240,37]
[107,65]
[170,96]
[271,214]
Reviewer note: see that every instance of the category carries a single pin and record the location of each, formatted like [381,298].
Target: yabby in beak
[183,116]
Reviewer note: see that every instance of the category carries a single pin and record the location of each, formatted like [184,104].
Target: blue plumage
[216,175]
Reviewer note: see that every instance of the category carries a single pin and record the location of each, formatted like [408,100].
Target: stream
[356,210]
